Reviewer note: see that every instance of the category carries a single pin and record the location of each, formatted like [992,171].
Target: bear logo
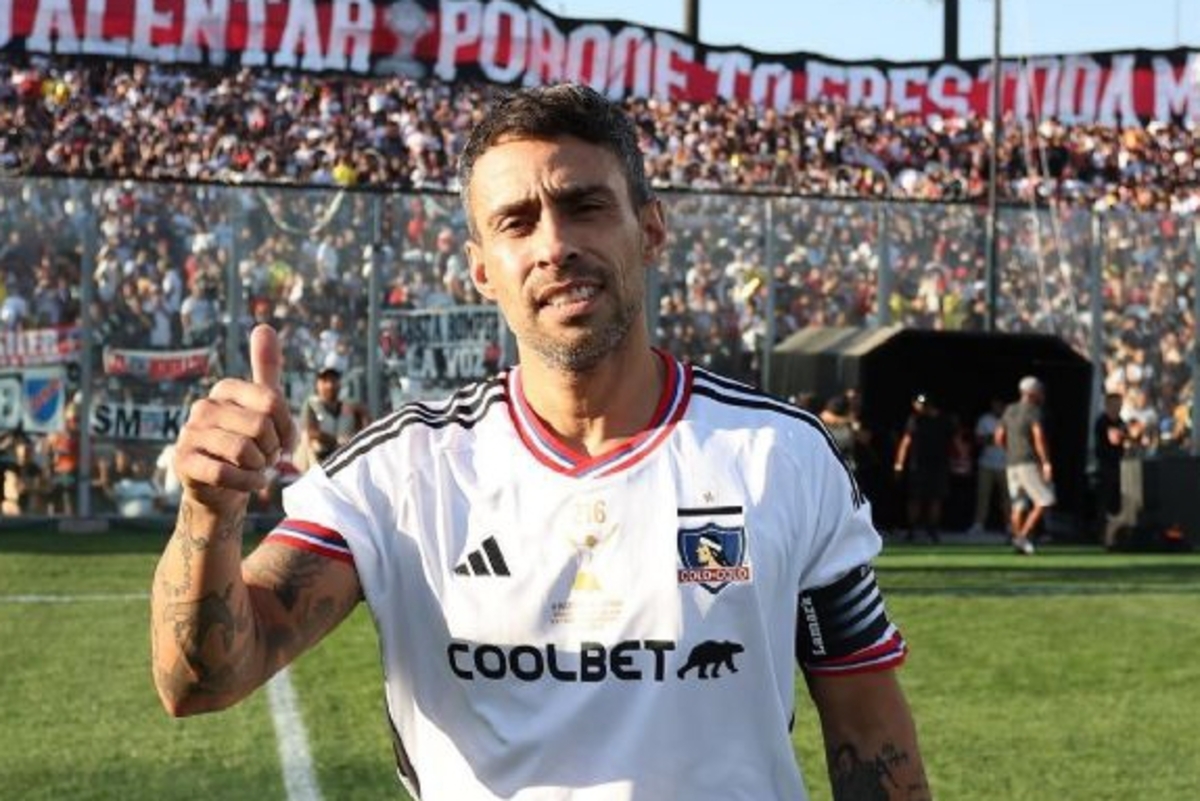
[711,654]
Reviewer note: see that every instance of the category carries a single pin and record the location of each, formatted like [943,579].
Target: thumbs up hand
[237,432]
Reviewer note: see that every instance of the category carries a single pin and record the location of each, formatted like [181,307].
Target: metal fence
[125,301]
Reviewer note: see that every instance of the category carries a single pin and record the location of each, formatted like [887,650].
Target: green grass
[1072,675]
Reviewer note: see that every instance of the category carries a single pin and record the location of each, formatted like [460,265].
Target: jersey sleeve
[319,516]
[842,622]
[840,534]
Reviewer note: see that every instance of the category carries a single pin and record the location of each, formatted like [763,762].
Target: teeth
[573,295]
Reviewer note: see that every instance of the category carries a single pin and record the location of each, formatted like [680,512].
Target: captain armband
[844,627]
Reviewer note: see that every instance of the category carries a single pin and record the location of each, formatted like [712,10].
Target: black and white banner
[135,421]
[444,347]
[515,42]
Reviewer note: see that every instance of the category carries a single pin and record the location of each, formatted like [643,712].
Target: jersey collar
[548,449]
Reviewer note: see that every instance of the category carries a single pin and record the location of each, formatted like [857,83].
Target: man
[924,451]
[991,482]
[328,422]
[1110,435]
[1027,456]
[461,525]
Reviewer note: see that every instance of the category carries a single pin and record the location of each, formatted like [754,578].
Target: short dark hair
[548,112]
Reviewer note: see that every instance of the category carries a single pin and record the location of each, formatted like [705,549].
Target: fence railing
[123,302]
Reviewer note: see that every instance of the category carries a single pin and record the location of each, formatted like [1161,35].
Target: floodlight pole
[691,18]
[992,279]
[950,30]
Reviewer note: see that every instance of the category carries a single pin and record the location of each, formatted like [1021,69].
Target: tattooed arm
[870,738]
[221,626]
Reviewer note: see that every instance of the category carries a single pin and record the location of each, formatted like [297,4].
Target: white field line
[35,598]
[299,777]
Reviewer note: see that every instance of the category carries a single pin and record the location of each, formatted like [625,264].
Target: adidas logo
[486,561]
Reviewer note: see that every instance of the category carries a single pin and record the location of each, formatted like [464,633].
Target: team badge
[45,397]
[713,556]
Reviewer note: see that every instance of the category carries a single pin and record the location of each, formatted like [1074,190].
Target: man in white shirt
[540,551]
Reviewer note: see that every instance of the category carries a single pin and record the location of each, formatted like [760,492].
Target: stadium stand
[215,200]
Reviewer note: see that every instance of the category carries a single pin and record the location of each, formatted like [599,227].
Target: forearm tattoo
[232,638]
[203,630]
[189,542]
[294,577]
[874,778]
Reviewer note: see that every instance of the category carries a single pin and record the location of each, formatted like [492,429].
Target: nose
[554,242]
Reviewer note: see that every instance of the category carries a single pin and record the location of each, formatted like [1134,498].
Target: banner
[444,347]
[38,346]
[10,402]
[128,421]
[33,399]
[158,365]
[515,42]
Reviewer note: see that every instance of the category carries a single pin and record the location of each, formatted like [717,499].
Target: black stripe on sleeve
[840,619]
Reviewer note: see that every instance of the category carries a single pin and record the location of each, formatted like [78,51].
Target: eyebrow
[567,196]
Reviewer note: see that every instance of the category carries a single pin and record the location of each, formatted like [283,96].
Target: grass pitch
[1071,675]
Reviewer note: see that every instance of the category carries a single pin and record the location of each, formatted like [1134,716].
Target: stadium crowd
[183,261]
[149,121]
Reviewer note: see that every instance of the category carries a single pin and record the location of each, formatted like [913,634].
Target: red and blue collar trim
[548,449]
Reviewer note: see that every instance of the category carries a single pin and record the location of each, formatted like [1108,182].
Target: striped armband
[844,628]
[311,537]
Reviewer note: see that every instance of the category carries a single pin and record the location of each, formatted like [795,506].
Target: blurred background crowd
[818,215]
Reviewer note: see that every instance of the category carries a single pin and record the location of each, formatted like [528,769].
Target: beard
[584,354]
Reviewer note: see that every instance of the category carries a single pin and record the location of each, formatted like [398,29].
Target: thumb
[266,358]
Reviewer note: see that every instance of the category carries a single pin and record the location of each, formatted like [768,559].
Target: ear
[654,231]
[479,271]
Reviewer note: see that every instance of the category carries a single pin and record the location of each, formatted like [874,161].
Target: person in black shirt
[1110,435]
[924,452]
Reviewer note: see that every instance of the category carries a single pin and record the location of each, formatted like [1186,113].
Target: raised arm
[221,626]
[870,738]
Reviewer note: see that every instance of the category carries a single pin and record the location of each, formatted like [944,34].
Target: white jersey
[620,627]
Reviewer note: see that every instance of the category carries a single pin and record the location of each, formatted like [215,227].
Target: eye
[589,204]
[513,225]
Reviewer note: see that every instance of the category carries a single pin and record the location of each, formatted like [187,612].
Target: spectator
[134,494]
[62,455]
[842,427]
[1110,436]
[326,421]
[198,314]
[25,483]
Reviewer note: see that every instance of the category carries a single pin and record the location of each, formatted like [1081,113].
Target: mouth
[569,298]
